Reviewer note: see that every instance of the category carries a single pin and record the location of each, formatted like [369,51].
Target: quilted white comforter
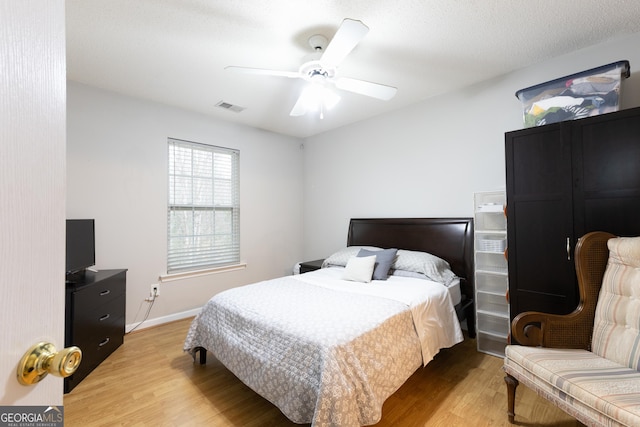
[323,350]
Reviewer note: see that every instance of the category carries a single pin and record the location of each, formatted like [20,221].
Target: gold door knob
[43,359]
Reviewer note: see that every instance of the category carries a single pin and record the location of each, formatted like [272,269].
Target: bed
[329,351]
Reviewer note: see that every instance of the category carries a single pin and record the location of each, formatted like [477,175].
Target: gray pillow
[341,257]
[433,267]
[384,259]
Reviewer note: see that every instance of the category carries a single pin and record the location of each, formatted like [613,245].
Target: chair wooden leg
[512,383]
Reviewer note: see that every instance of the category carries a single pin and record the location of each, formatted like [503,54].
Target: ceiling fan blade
[374,90]
[346,38]
[263,72]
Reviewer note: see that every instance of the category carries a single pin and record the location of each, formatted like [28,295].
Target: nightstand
[308,266]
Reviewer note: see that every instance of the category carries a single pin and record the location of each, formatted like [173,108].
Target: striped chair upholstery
[616,329]
[600,386]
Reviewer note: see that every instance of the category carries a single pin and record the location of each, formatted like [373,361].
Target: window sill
[197,273]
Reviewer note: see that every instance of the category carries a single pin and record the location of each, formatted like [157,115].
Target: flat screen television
[81,247]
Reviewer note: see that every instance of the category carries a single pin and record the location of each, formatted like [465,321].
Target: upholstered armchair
[586,362]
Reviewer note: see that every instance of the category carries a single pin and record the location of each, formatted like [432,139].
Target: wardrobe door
[540,220]
[606,158]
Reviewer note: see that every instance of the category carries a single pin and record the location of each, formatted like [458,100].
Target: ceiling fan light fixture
[317,97]
[329,98]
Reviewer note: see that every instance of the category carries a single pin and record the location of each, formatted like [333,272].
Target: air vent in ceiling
[231,107]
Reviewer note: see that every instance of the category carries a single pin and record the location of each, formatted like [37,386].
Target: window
[204,206]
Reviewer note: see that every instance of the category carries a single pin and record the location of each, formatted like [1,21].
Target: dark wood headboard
[448,238]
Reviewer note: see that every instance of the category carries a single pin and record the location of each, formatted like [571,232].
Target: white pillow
[359,269]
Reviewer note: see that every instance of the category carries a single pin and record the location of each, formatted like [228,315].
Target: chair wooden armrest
[571,330]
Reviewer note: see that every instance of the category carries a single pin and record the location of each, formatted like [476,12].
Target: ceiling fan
[321,71]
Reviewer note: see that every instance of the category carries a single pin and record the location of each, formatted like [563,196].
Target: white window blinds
[204,206]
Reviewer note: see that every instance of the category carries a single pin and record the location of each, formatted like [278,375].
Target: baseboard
[162,320]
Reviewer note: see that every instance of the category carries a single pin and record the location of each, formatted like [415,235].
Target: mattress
[454,291]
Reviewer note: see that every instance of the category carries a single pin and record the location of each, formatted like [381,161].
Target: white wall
[428,159]
[117,174]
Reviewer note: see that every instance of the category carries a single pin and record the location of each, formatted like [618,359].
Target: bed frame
[448,238]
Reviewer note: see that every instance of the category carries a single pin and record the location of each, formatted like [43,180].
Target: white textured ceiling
[175,51]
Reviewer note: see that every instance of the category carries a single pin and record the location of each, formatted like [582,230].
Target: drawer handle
[105,342]
[105,317]
[103,293]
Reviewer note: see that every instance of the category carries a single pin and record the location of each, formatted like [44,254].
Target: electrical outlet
[154,291]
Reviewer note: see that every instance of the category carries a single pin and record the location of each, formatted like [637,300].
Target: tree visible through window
[204,206]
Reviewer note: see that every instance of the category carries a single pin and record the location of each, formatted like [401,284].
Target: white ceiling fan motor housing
[318,42]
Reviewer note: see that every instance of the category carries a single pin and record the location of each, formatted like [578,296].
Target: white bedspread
[324,350]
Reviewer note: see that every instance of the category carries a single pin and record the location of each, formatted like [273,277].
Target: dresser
[94,319]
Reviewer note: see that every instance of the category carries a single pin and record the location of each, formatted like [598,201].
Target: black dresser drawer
[96,347]
[99,293]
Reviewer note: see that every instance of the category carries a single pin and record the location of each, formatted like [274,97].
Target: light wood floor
[149,381]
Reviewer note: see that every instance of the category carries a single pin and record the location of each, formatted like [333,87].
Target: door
[540,220]
[606,153]
[32,191]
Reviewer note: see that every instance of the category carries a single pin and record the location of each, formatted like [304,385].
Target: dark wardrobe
[564,180]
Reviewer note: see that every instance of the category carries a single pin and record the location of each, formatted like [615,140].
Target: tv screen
[81,248]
